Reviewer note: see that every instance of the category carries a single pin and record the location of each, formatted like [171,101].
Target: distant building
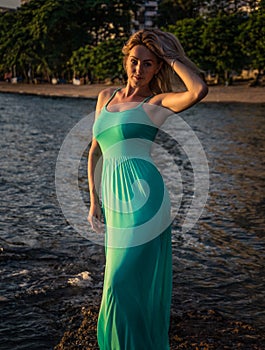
[146,16]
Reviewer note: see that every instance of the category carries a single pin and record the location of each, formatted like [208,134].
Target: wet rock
[194,330]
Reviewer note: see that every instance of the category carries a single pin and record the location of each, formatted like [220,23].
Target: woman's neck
[136,94]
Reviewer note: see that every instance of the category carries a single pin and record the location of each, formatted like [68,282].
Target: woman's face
[141,66]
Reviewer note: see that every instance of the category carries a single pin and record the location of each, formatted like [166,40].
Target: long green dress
[135,306]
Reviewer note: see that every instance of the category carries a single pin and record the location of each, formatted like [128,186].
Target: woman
[135,307]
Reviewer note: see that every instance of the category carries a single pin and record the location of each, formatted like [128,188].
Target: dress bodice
[125,133]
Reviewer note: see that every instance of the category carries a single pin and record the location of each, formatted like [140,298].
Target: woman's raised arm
[196,89]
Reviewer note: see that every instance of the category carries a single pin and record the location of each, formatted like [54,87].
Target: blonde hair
[162,45]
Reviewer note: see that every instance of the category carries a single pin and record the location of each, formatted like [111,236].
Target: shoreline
[204,329]
[239,92]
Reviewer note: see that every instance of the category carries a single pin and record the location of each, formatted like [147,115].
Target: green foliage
[65,38]
[103,61]
[189,31]
[223,43]
[111,64]
[252,39]
[43,34]
[171,11]
[221,46]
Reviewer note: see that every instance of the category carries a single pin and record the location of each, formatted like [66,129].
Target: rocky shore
[239,92]
[194,330]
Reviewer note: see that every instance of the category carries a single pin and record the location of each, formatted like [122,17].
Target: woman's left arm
[196,89]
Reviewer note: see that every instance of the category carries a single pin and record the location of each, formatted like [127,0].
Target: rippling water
[48,270]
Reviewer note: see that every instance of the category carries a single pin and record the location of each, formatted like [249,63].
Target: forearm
[94,173]
[94,176]
[193,82]
[195,88]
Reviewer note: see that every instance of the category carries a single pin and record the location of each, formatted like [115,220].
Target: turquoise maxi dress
[135,306]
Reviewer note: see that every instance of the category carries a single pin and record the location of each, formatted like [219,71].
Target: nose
[139,67]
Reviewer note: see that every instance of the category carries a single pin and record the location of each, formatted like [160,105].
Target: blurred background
[80,41]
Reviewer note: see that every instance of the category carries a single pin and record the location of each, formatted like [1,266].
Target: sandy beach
[239,92]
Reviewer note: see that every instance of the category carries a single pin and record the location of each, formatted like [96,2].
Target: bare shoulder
[107,92]
[104,96]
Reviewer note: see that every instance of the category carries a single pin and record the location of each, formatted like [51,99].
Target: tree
[60,27]
[252,38]
[214,8]
[170,11]
[43,34]
[103,61]
[189,32]
[223,52]
[17,46]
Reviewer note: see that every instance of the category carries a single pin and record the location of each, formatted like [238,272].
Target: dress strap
[116,90]
[112,96]
[147,99]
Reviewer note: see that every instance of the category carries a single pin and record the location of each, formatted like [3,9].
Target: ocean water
[49,269]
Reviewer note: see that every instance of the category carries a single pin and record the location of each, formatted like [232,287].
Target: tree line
[65,39]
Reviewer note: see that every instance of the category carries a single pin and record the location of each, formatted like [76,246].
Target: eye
[148,64]
[134,61]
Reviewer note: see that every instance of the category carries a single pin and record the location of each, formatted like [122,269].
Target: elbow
[201,92]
